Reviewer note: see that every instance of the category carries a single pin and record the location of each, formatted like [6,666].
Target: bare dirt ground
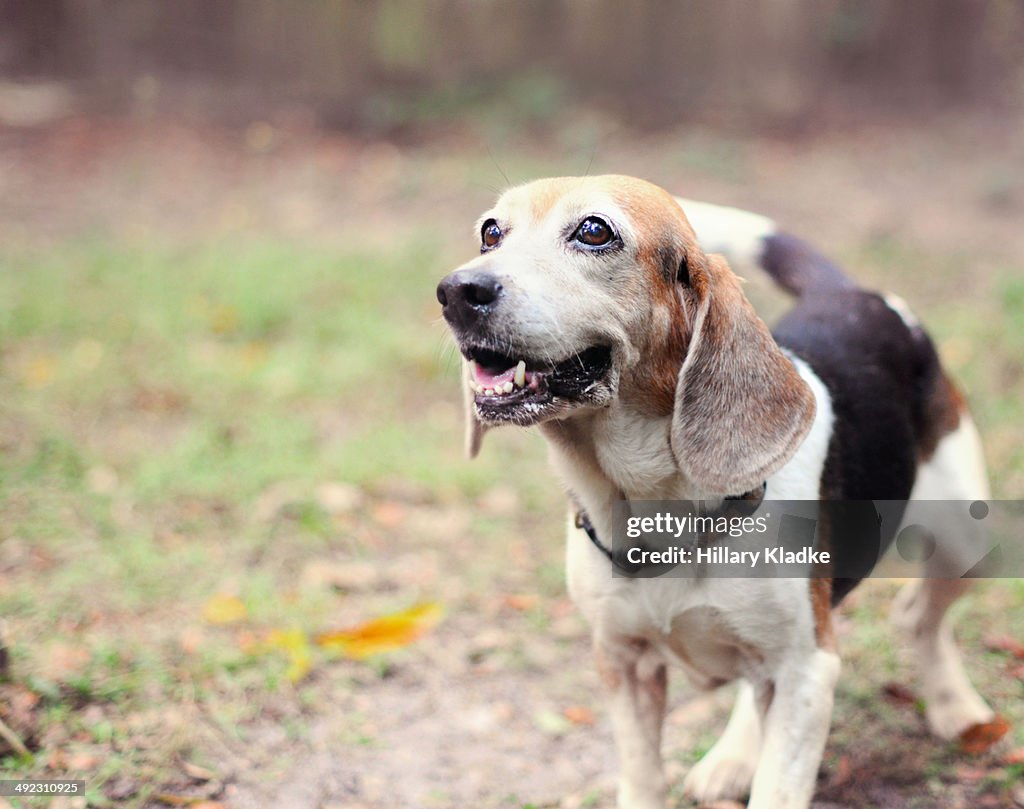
[499,705]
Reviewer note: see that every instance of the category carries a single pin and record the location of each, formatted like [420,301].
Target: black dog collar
[747,502]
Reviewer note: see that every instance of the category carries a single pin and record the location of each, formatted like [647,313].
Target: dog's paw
[721,775]
[950,715]
[643,797]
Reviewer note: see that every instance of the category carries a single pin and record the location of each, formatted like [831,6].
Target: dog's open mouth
[504,383]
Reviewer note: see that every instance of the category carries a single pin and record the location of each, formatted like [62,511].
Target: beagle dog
[601,310]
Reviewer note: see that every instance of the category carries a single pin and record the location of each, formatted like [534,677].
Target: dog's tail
[745,237]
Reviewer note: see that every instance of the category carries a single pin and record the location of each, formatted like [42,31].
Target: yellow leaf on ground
[224,609]
[40,371]
[384,634]
[295,644]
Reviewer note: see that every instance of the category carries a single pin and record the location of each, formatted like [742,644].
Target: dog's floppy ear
[474,428]
[741,409]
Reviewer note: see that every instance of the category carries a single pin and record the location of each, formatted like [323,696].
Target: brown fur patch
[820,584]
[666,241]
[821,603]
[942,408]
[650,385]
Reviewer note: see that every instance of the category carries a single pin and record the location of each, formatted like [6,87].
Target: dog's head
[589,290]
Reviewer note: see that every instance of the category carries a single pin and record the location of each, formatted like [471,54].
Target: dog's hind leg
[952,706]
[727,769]
[955,473]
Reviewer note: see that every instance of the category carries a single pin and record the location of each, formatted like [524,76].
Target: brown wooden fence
[360,61]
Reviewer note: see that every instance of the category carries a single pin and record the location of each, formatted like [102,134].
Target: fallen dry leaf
[521,601]
[198,773]
[224,609]
[979,738]
[295,644]
[579,715]
[842,772]
[390,514]
[1004,643]
[83,760]
[384,634]
[897,692]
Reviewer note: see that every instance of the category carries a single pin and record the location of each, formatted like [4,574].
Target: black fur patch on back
[877,371]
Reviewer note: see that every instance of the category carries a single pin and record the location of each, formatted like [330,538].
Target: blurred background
[243,562]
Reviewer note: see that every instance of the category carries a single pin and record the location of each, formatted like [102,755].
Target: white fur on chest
[762,616]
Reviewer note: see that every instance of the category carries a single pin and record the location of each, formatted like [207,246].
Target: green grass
[149,397]
[155,398]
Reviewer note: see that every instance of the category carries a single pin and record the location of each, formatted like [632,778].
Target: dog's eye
[594,232]
[490,234]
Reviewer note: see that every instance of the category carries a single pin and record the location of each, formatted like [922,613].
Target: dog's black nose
[468,295]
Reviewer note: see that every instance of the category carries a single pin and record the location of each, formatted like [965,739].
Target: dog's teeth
[520,376]
[488,391]
[507,387]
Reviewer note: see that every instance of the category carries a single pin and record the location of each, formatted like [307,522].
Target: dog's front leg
[637,681]
[795,729]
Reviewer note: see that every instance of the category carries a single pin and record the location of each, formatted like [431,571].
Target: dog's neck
[617,453]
